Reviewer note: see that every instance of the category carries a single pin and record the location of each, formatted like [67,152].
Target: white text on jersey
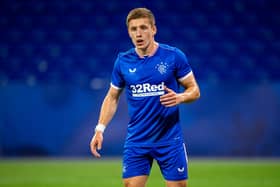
[147,89]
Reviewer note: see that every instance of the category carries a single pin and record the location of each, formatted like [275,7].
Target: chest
[148,70]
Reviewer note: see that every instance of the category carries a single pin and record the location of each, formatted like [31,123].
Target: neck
[149,51]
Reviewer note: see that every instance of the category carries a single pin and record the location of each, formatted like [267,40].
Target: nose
[138,32]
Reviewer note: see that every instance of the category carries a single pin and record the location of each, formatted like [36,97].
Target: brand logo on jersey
[147,89]
[124,169]
[181,169]
[132,70]
[162,67]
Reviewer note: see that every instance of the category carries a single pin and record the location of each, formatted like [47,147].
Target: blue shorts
[172,161]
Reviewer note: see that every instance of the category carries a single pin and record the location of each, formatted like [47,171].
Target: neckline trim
[150,55]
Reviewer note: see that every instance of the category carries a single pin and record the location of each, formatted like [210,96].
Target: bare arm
[109,106]
[191,93]
[108,110]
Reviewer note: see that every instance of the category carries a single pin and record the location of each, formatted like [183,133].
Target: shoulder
[125,58]
[172,53]
[167,47]
[127,55]
[171,49]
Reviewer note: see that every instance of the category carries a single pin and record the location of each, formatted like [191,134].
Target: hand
[170,99]
[96,143]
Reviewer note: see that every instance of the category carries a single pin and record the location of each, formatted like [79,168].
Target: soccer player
[151,74]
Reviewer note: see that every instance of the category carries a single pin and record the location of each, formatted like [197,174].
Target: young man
[151,74]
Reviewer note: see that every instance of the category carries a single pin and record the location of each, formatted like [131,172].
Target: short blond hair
[140,13]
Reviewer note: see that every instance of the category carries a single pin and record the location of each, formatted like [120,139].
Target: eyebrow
[140,26]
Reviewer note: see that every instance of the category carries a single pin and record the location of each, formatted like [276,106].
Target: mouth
[139,42]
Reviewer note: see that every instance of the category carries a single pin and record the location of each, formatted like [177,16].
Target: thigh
[172,160]
[182,183]
[139,181]
[136,162]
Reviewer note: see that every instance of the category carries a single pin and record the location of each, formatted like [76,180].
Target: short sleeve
[117,80]
[183,67]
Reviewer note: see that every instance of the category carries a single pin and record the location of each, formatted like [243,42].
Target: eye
[143,27]
[132,29]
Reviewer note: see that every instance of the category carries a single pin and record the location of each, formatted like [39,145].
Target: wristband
[100,127]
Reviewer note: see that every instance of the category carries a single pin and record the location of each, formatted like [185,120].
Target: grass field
[107,173]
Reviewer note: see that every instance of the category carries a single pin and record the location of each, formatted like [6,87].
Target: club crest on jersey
[162,67]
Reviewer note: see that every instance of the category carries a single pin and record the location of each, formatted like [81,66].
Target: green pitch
[107,173]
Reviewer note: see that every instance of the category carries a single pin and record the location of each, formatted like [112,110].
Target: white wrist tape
[100,127]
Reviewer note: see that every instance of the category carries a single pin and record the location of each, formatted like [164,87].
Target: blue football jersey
[144,79]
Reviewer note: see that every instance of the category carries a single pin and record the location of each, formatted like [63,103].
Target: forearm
[189,95]
[108,110]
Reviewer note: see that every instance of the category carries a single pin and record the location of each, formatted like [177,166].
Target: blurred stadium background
[56,59]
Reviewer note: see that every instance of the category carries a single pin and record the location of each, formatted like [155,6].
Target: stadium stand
[57,45]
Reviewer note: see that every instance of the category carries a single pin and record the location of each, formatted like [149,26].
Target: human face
[142,34]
